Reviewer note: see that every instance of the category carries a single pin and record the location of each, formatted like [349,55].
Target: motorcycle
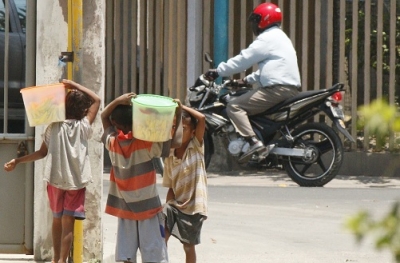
[310,152]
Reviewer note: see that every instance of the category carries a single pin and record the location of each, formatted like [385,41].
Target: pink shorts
[66,202]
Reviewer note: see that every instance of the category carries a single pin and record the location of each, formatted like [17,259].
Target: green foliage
[380,119]
[373,34]
[386,230]
[378,33]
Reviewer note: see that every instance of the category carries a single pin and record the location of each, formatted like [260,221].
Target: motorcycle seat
[302,95]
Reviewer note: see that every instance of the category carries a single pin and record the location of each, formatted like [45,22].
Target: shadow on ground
[380,181]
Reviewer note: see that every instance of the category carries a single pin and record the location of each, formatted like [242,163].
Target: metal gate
[154,46]
[17,64]
[146,47]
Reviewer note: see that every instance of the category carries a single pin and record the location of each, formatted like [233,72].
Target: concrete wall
[52,37]
[371,164]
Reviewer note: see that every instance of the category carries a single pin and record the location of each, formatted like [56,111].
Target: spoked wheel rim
[321,154]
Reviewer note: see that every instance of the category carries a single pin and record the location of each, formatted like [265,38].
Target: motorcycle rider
[278,75]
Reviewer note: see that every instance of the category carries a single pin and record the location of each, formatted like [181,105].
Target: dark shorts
[184,227]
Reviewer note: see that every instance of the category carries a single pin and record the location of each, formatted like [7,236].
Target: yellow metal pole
[78,242]
[69,48]
[77,29]
[73,72]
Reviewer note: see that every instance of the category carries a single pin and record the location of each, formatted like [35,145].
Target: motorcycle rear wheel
[324,164]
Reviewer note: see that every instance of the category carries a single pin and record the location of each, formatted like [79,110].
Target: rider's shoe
[255,148]
[267,151]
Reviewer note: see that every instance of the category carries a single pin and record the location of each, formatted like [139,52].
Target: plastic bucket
[44,104]
[153,117]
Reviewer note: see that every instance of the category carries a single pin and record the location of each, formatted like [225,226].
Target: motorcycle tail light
[337,97]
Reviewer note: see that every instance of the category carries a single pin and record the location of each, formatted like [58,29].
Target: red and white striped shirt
[133,193]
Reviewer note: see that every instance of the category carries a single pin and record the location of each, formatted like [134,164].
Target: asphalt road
[258,218]
[265,217]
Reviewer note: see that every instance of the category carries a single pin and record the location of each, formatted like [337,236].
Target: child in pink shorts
[66,202]
[67,166]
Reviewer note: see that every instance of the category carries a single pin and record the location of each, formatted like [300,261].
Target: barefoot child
[185,176]
[67,167]
[133,196]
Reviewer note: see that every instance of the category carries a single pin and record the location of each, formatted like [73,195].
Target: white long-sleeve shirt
[275,55]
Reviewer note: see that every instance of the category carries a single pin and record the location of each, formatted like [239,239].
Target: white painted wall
[51,41]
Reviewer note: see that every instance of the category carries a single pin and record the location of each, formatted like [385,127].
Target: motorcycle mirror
[207,58]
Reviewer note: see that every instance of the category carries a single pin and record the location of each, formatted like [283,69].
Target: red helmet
[264,16]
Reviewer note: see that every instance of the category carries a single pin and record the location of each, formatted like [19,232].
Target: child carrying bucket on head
[67,167]
[185,176]
[133,196]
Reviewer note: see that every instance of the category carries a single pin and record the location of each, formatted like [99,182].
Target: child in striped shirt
[185,176]
[133,196]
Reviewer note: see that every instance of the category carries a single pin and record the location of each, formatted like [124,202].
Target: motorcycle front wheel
[320,167]
[208,148]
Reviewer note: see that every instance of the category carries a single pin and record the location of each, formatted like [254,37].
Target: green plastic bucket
[153,117]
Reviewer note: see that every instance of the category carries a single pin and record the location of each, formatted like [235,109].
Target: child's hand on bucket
[126,99]
[178,102]
[178,109]
[70,84]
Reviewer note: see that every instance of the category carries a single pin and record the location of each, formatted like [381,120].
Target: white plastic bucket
[153,117]
[44,104]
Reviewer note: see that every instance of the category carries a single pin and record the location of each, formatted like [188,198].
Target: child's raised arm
[124,99]
[201,122]
[94,108]
[177,131]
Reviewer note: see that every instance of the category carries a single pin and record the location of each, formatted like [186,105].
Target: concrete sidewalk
[272,178]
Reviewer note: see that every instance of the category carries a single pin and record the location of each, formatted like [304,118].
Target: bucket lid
[154,100]
[42,86]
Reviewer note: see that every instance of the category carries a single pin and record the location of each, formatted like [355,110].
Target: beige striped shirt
[188,179]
